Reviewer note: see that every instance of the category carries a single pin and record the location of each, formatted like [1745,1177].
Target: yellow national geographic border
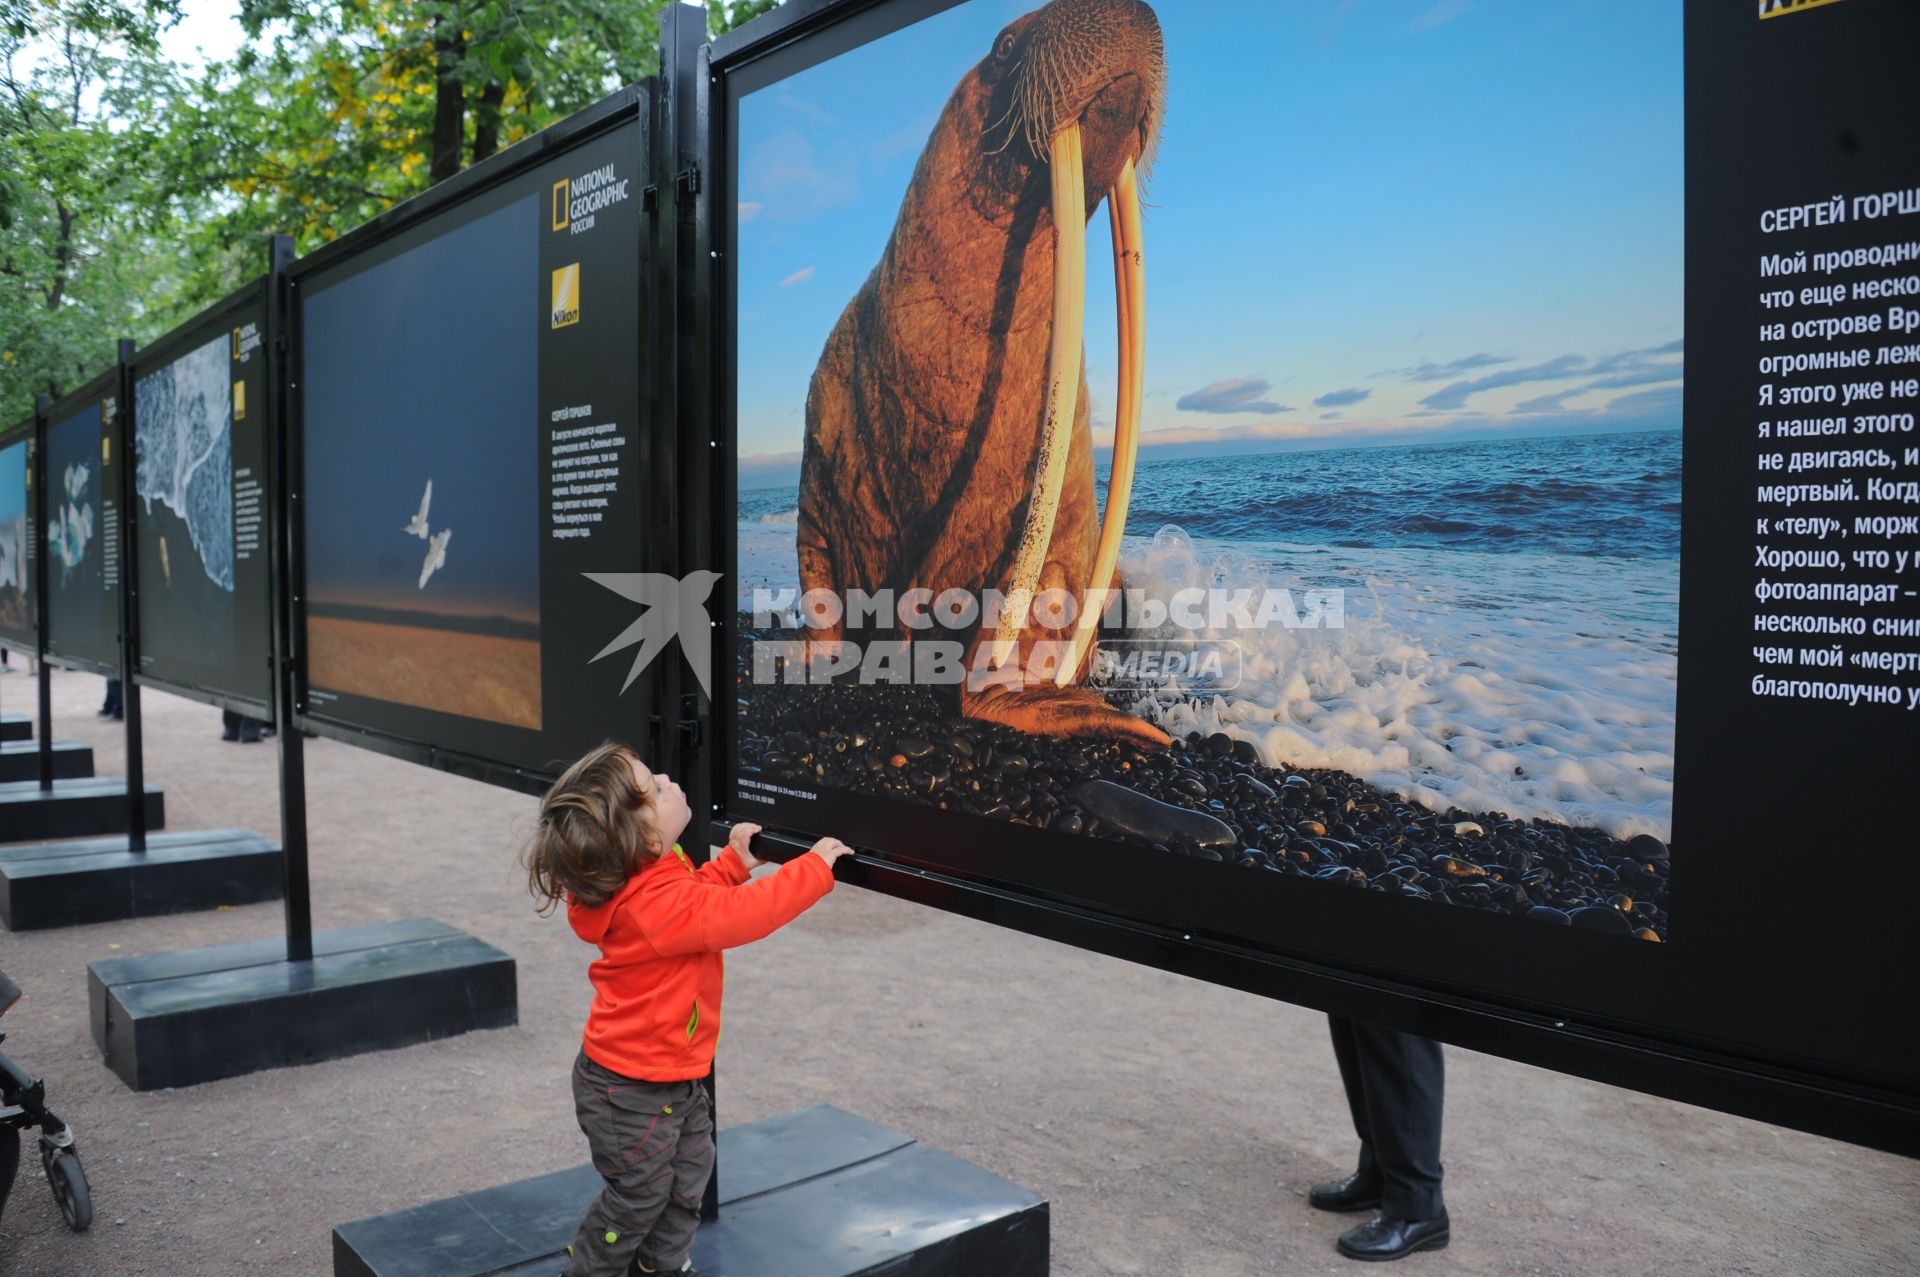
[1778,8]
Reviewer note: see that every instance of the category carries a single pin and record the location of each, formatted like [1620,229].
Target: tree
[132,195]
[79,261]
[344,110]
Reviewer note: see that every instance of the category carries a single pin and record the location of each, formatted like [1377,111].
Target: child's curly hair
[596,831]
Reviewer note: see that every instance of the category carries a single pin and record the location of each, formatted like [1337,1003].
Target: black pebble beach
[1207,797]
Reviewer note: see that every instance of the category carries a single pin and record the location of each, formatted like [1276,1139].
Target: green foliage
[133,194]
[78,259]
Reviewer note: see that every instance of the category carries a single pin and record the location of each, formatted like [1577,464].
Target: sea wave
[1605,496]
[1540,685]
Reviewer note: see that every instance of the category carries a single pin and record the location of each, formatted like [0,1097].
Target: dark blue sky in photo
[426,367]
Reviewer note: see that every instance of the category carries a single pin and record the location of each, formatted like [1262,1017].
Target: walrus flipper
[1059,711]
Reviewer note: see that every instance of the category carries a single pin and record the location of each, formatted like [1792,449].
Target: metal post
[281,458]
[683,464]
[41,406]
[130,609]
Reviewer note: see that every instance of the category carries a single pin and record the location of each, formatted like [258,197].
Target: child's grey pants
[653,1144]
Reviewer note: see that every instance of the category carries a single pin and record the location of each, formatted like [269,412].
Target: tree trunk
[486,120]
[62,257]
[449,101]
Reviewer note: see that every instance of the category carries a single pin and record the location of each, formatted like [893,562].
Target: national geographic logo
[1777,8]
[566,296]
[576,200]
[246,340]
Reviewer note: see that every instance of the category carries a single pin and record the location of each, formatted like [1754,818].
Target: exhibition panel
[81,521]
[19,615]
[470,418]
[202,442]
[1325,606]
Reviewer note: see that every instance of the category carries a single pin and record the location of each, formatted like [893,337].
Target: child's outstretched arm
[733,870]
[686,914]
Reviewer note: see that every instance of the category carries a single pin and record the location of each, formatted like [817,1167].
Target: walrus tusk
[1063,385]
[1130,313]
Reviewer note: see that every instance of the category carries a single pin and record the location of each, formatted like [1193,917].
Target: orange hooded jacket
[656,985]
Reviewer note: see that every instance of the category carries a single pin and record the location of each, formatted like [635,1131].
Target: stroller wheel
[69,1183]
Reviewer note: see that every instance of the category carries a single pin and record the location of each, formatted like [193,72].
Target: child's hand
[830,850]
[737,839]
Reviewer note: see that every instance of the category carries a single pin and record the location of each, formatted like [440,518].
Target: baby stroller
[23,1104]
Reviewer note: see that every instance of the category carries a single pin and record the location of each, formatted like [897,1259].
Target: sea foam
[1538,685]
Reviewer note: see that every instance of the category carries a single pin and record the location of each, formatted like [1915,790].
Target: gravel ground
[1175,1126]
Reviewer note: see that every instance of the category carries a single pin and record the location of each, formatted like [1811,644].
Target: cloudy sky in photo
[1368,221]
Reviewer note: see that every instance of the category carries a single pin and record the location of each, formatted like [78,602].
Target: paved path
[1174,1125]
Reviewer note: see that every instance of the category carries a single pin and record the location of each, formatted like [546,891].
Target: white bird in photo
[436,555]
[418,524]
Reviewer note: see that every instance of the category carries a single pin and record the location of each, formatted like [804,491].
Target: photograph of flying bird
[417,526]
[436,555]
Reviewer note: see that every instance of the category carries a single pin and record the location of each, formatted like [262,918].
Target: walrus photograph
[1347,550]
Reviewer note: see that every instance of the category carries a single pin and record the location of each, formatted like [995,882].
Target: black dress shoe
[1382,1237]
[1355,1192]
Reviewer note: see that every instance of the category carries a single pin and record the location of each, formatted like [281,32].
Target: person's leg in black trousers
[1395,1084]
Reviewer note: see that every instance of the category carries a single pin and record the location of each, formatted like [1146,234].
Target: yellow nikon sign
[566,296]
[1777,8]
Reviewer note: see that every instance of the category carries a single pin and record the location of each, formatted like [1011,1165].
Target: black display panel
[470,434]
[1437,471]
[81,521]
[202,505]
[19,617]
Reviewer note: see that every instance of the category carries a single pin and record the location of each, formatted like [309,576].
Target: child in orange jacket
[606,845]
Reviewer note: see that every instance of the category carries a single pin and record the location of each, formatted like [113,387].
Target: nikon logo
[239,401]
[566,296]
[1777,8]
